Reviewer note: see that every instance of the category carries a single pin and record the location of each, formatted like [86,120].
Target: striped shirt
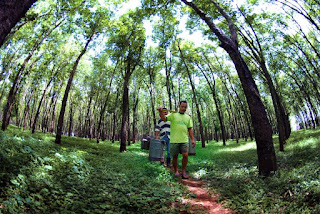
[164,128]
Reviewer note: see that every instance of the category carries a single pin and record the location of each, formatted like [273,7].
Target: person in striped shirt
[162,132]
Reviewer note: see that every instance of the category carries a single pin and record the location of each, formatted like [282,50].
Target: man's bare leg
[175,164]
[184,162]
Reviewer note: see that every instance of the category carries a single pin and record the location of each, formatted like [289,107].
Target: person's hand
[160,108]
[193,143]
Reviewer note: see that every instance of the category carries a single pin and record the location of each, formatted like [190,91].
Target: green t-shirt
[179,127]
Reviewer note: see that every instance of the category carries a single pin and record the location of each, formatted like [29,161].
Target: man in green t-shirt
[180,130]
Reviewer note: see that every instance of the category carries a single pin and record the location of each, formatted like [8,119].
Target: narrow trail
[202,201]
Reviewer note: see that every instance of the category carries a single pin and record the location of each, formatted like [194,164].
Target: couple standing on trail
[177,136]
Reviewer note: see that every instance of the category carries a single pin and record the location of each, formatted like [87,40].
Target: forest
[80,83]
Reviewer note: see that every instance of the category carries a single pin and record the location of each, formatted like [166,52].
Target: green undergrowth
[231,171]
[80,176]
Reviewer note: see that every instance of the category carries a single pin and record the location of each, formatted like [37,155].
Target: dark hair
[164,108]
[182,101]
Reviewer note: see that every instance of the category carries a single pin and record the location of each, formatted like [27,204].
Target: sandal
[177,174]
[185,176]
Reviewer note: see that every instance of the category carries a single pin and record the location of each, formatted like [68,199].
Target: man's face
[183,107]
[165,112]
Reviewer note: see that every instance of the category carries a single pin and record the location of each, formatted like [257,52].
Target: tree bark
[115,118]
[134,116]
[53,115]
[11,11]
[125,105]
[168,85]
[70,119]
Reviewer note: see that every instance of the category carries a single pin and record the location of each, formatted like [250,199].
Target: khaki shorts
[176,148]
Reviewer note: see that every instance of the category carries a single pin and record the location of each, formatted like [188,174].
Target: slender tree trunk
[115,119]
[52,112]
[66,93]
[70,119]
[80,127]
[128,139]
[45,118]
[234,118]
[125,106]
[168,85]
[151,92]
[92,128]
[87,123]
[134,114]
[32,110]
[174,96]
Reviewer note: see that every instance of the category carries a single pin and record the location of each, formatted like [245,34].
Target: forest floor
[81,176]
[203,200]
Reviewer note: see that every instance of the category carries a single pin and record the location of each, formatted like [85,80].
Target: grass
[80,176]
[231,171]
[84,177]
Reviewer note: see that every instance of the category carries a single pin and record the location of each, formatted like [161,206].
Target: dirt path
[202,202]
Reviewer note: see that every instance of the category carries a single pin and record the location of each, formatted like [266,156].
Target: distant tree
[127,43]
[94,22]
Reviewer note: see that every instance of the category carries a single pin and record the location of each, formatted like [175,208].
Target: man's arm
[190,131]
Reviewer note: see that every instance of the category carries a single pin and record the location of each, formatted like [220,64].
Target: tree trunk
[134,114]
[70,119]
[92,128]
[128,127]
[151,92]
[125,106]
[11,11]
[168,85]
[87,122]
[115,118]
[53,116]
[66,93]
[262,128]
[234,118]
